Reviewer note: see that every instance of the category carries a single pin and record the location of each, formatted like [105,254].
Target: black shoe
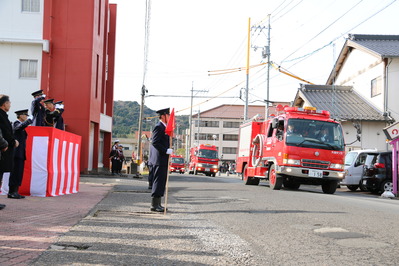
[15,195]
[157,209]
[156,205]
[2,206]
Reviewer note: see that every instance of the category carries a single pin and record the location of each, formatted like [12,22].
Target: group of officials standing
[117,158]
[13,135]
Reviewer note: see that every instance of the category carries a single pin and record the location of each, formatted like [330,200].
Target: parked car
[377,177]
[354,164]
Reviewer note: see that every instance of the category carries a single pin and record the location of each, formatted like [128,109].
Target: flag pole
[170,127]
[167,178]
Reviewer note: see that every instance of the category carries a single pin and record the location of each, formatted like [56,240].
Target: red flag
[170,127]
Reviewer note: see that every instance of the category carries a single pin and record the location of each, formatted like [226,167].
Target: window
[27,68]
[230,137]
[204,136]
[227,124]
[207,123]
[376,86]
[30,5]
[229,150]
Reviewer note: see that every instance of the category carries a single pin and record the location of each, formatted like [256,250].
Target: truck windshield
[314,134]
[208,154]
[178,160]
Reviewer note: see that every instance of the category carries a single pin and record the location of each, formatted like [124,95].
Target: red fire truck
[203,159]
[298,146]
[177,164]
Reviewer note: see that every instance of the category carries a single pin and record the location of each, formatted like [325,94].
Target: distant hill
[126,119]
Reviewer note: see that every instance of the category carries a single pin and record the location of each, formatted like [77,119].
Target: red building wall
[74,70]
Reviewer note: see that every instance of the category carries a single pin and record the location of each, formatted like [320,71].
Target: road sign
[392,131]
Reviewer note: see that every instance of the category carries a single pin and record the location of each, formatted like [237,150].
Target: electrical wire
[322,30]
[146,37]
[303,57]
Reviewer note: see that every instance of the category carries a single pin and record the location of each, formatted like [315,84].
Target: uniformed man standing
[159,158]
[51,113]
[59,121]
[37,108]
[17,172]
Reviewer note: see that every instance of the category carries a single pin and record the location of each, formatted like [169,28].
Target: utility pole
[268,69]
[191,119]
[139,152]
[247,70]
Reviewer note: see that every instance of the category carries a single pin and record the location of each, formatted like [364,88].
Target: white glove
[169,151]
[30,117]
[44,95]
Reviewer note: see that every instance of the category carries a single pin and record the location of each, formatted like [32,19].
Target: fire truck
[297,146]
[177,164]
[204,159]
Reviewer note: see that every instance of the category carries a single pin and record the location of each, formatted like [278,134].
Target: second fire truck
[298,146]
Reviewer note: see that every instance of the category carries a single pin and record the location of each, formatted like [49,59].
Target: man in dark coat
[159,158]
[7,160]
[37,108]
[19,156]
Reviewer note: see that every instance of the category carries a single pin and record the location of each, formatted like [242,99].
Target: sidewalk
[29,226]
[107,223]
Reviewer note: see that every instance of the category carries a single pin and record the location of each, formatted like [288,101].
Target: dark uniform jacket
[59,123]
[51,117]
[3,142]
[7,158]
[160,144]
[38,112]
[21,135]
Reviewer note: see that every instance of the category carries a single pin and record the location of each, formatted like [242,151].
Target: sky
[190,39]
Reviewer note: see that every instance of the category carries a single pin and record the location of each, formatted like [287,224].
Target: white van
[354,162]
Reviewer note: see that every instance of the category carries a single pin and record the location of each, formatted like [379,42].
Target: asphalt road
[220,221]
[289,227]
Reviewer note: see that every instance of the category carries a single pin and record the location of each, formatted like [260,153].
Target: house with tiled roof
[362,89]
[362,122]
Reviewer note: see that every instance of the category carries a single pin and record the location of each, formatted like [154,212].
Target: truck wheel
[329,187]
[213,175]
[249,180]
[275,180]
[352,187]
[291,184]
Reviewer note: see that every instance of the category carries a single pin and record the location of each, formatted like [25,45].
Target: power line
[303,57]
[322,30]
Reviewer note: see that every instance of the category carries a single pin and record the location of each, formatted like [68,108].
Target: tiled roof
[342,102]
[384,45]
[380,46]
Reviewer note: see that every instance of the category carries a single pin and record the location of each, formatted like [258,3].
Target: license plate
[207,169]
[315,173]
